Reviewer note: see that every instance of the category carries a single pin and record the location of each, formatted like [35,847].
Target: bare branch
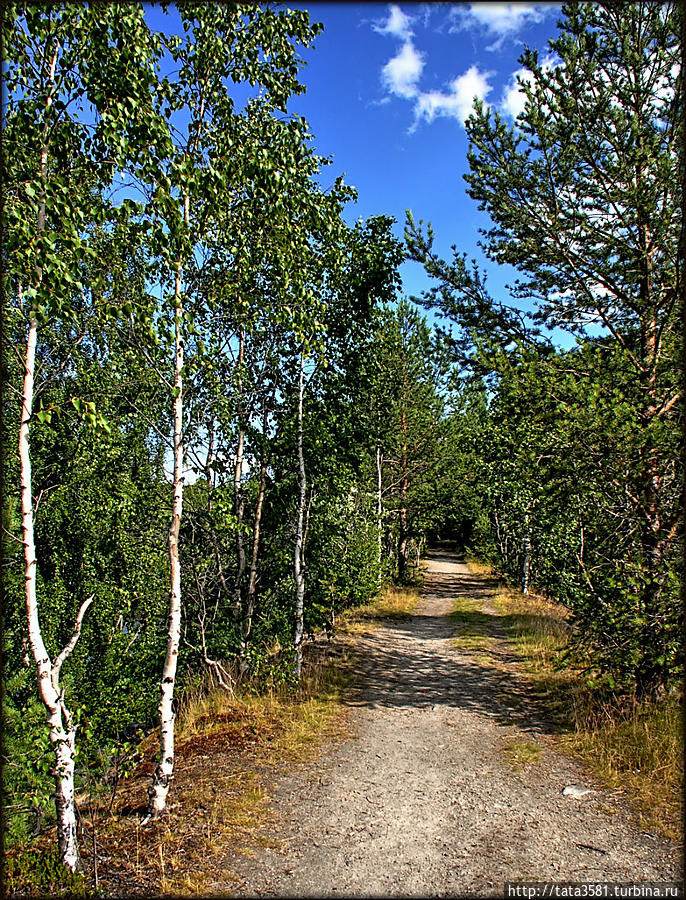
[69,646]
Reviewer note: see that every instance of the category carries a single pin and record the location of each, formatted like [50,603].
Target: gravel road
[424,801]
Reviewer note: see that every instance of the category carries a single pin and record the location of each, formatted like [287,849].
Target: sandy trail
[423,801]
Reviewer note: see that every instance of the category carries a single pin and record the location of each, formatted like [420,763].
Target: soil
[425,800]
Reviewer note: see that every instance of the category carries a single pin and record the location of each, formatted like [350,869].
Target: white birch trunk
[379,509]
[61,727]
[237,484]
[164,772]
[298,567]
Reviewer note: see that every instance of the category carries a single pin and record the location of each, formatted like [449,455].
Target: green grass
[37,873]
[522,753]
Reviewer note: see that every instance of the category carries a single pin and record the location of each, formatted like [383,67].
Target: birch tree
[221,45]
[67,128]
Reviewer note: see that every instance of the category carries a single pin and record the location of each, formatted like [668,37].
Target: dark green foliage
[555,457]
[34,873]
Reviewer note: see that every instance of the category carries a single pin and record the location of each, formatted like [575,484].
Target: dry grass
[228,748]
[637,748]
[476,567]
[537,628]
[393,604]
[278,730]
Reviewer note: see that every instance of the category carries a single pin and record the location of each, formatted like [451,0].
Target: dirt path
[423,802]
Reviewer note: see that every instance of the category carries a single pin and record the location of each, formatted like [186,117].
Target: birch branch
[69,646]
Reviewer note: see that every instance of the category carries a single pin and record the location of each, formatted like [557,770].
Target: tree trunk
[164,772]
[298,548]
[239,504]
[403,542]
[499,536]
[526,556]
[62,730]
[252,576]
[403,531]
[379,509]
[651,671]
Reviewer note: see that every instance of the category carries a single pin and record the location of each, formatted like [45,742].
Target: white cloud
[398,24]
[502,20]
[457,103]
[513,100]
[402,72]
[505,18]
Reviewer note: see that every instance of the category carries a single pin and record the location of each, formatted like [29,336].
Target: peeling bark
[62,730]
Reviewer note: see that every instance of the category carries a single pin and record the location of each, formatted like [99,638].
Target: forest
[222,424]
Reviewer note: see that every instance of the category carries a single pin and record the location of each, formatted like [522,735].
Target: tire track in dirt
[423,802]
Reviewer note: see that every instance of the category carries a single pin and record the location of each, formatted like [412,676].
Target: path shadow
[415,677]
[442,555]
[409,664]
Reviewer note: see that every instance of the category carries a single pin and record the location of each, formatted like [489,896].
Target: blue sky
[388,88]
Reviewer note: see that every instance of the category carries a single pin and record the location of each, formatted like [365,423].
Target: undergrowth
[522,753]
[635,746]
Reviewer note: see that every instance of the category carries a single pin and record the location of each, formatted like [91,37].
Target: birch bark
[298,567]
[164,772]
[61,727]
[239,505]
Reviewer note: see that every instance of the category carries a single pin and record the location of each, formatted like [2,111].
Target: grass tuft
[522,753]
[393,604]
[471,626]
[638,749]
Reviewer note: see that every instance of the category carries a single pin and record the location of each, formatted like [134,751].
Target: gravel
[424,801]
